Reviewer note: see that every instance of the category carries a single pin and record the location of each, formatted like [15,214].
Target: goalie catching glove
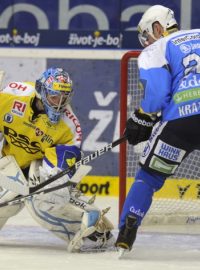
[139,127]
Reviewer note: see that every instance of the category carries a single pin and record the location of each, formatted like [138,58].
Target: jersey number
[192,62]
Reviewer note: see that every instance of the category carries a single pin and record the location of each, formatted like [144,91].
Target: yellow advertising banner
[109,186]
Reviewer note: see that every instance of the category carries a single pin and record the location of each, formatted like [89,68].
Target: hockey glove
[63,157]
[138,127]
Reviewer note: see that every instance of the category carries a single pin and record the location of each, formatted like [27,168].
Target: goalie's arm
[22,189]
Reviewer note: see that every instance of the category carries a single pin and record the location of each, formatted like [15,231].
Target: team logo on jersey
[45,137]
[38,132]
[19,108]
[169,152]
[22,141]
[48,139]
[185,48]
[146,150]
[18,86]
[8,118]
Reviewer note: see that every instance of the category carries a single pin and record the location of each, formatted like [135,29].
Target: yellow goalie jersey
[28,138]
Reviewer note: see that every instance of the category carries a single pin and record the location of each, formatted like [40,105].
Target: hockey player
[42,133]
[169,72]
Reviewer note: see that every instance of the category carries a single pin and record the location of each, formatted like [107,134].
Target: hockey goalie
[41,137]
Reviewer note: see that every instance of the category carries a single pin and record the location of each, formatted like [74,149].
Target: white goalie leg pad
[38,173]
[11,210]
[89,220]
[10,168]
[54,212]
[94,223]
[12,177]
[56,200]
[102,239]
[63,223]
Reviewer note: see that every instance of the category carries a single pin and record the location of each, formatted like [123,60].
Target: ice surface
[24,245]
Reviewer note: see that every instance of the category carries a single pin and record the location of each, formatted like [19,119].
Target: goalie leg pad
[11,210]
[64,223]
[102,239]
[95,233]
[89,220]
[72,219]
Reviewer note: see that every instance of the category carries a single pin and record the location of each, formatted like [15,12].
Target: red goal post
[123,117]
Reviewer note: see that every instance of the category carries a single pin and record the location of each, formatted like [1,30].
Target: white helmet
[157,13]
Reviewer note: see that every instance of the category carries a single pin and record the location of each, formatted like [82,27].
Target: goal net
[178,202]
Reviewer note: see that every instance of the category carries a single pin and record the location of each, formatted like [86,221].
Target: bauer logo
[94,40]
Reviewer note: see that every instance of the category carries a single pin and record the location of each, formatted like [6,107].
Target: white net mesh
[180,201]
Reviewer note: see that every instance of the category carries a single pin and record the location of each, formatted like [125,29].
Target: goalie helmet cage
[178,202]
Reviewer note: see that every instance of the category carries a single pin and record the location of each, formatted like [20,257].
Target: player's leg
[164,151]
[136,205]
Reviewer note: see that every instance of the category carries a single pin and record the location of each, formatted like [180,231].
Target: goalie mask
[157,13]
[54,88]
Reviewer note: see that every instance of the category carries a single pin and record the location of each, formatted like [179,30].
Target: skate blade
[121,252]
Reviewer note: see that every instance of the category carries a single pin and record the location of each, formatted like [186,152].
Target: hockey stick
[35,190]
[76,178]
[83,161]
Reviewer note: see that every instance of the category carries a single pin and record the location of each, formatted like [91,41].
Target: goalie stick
[36,190]
[83,161]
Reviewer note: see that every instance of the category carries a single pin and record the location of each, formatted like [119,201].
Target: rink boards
[109,186]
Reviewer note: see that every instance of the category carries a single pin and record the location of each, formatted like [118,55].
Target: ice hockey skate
[126,236]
